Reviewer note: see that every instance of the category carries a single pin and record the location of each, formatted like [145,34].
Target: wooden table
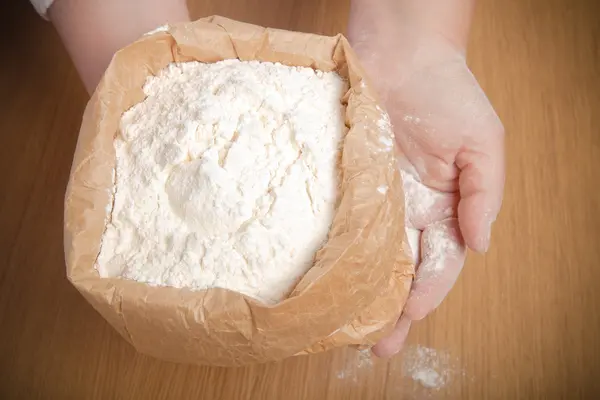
[522,322]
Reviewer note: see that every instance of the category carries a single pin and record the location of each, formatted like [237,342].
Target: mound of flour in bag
[226,176]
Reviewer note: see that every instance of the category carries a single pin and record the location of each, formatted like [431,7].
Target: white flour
[419,198]
[357,364]
[226,176]
[413,239]
[436,241]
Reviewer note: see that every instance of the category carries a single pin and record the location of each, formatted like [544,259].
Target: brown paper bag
[356,289]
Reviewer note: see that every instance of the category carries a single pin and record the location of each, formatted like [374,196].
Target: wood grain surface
[523,322]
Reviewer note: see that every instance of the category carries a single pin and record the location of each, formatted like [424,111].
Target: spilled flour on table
[363,361]
[430,368]
[418,372]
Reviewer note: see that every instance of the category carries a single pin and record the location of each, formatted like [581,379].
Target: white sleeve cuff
[41,6]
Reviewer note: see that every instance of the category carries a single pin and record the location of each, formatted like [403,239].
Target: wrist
[447,20]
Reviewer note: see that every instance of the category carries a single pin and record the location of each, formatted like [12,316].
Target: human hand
[93,31]
[452,146]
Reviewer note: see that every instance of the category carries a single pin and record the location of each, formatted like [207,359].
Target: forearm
[93,30]
[450,19]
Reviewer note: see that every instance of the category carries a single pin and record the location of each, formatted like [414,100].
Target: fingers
[443,255]
[438,250]
[481,186]
[393,344]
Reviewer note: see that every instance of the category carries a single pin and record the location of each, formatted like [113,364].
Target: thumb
[481,184]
